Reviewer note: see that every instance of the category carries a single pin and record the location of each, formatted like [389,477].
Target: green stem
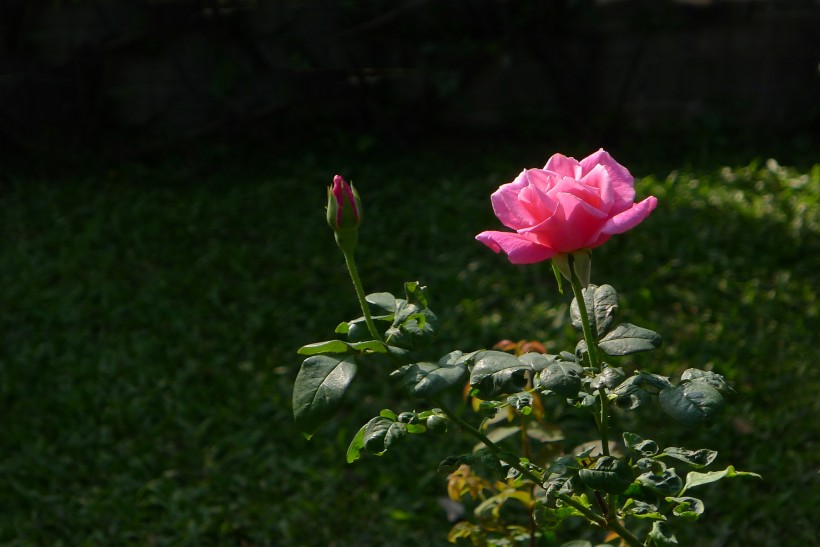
[592,354]
[604,422]
[625,534]
[357,284]
[488,443]
[611,521]
[589,337]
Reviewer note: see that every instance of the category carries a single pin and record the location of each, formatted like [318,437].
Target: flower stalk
[592,353]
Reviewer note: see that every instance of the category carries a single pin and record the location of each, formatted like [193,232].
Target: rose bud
[344,213]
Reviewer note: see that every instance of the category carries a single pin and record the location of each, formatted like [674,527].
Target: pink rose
[565,207]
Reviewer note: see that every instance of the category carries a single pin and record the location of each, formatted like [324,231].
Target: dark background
[128,78]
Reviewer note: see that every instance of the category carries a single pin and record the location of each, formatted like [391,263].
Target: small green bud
[344,213]
[436,424]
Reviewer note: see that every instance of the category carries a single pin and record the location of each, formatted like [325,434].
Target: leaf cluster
[600,487]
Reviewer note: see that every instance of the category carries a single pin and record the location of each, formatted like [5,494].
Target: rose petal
[582,191]
[622,181]
[508,207]
[561,164]
[519,248]
[600,179]
[572,227]
[630,218]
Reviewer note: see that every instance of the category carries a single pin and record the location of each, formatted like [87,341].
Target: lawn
[151,312]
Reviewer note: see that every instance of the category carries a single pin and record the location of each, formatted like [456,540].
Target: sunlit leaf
[561,378]
[627,338]
[602,308]
[667,483]
[609,474]
[319,388]
[715,380]
[695,458]
[428,379]
[691,403]
[642,510]
[496,372]
[695,478]
[660,535]
[687,508]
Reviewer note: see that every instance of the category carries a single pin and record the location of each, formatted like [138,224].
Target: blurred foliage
[151,312]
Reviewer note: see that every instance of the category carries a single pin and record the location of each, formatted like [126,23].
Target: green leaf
[608,378]
[562,378]
[416,293]
[389,414]
[687,508]
[383,302]
[368,346]
[522,402]
[691,403]
[428,379]
[645,446]
[667,483]
[713,379]
[496,372]
[558,277]
[375,432]
[695,458]
[627,338]
[630,394]
[412,326]
[660,535]
[415,428]
[355,449]
[655,381]
[641,510]
[340,346]
[650,465]
[602,308]
[330,346]
[395,433]
[539,361]
[319,389]
[609,474]
[695,478]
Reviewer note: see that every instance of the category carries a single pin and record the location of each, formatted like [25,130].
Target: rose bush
[567,206]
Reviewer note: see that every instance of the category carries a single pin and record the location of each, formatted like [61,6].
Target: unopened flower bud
[344,213]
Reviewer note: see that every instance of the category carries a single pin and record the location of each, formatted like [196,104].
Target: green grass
[151,313]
